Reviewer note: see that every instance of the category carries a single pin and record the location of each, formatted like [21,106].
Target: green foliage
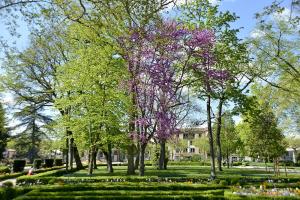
[274,44]
[94,83]
[4,170]
[230,140]
[259,129]
[3,132]
[8,184]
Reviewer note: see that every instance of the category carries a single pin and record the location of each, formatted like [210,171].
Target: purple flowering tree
[158,58]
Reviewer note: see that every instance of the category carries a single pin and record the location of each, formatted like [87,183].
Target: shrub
[49,163]
[8,193]
[8,184]
[18,165]
[196,158]
[37,163]
[287,163]
[4,170]
[237,164]
[58,162]
[223,183]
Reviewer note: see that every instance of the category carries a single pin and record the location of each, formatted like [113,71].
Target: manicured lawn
[181,171]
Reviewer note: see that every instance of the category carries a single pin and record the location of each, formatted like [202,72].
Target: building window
[191,142]
[190,136]
[192,150]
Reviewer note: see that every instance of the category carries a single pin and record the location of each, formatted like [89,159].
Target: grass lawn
[181,171]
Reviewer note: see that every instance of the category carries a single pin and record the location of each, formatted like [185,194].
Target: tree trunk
[67,154]
[130,159]
[162,155]
[91,161]
[274,162]
[137,158]
[132,129]
[71,152]
[95,159]
[211,139]
[218,134]
[142,159]
[227,157]
[77,158]
[285,169]
[109,159]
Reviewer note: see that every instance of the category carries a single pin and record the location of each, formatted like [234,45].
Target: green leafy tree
[231,142]
[259,129]
[96,97]
[3,132]
[230,57]
[274,44]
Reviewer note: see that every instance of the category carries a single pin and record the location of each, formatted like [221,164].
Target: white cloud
[282,16]
[214,2]
[256,33]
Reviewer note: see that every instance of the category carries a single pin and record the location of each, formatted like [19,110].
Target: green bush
[9,193]
[58,162]
[12,175]
[18,165]
[37,163]
[8,184]
[49,163]
[196,158]
[237,163]
[287,163]
[223,182]
[4,170]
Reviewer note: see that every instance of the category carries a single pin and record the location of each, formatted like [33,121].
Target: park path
[282,170]
[13,180]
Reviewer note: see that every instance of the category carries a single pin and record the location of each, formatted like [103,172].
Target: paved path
[289,170]
[13,180]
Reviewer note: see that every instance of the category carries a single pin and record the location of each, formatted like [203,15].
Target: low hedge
[42,177]
[8,193]
[14,175]
[53,177]
[4,170]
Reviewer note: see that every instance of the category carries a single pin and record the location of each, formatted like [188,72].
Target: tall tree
[32,125]
[275,49]
[260,129]
[3,131]
[97,100]
[31,75]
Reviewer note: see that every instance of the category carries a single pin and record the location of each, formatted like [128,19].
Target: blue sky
[245,9]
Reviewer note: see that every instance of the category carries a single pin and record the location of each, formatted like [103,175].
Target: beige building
[187,143]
